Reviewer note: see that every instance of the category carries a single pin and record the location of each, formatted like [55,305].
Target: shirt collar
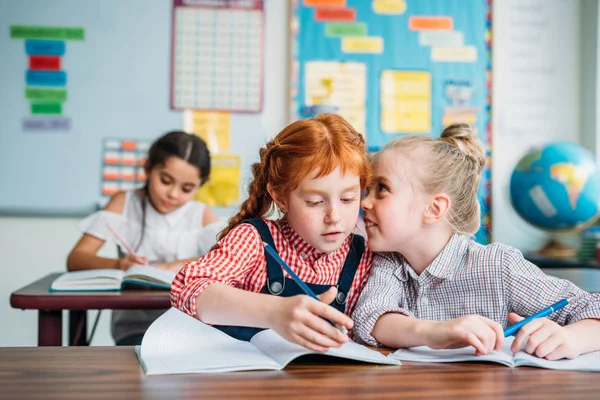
[306,251]
[444,265]
[172,218]
[175,216]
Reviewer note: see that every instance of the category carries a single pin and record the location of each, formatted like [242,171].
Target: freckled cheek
[311,218]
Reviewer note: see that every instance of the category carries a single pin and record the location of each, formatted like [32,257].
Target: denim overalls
[277,285]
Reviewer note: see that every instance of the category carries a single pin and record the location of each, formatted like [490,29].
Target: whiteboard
[118,83]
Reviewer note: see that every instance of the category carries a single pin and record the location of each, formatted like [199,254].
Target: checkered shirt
[466,278]
[239,261]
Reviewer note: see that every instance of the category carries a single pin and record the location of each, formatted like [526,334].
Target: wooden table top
[114,372]
[37,296]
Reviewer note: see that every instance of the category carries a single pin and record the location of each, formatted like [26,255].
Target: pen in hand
[122,241]
[511,330]
[296,278]
[127,247]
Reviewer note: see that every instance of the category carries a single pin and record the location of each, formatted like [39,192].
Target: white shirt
[167,237]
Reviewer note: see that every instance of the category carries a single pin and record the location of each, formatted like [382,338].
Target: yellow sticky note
[405,101]
[213,128]
[364,44]
[453,115]
[223,186]
[454,54]
[397,7]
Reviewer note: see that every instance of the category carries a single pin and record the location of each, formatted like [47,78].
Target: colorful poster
[217,55]
[340,86]
[44,79]
[416,56]
[122,165]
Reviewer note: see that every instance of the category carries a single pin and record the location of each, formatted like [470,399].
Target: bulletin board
[396,67]
[85,89]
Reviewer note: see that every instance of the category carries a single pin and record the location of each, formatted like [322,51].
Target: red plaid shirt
[239,261]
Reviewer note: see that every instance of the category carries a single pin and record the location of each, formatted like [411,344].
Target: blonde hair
[451,164]
[323,143]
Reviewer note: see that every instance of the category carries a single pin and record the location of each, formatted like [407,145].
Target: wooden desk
[37,296]
[114,372]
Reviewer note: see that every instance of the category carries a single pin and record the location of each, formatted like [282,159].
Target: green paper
[40,95]
[46,108]
[46,32]
[345,29]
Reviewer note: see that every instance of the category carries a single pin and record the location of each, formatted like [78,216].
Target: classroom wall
[33,247]
[537,93]
[589,73]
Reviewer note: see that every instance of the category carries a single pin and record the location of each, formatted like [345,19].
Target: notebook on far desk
[102,280]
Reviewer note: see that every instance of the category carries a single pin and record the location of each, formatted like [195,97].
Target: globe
[557,187]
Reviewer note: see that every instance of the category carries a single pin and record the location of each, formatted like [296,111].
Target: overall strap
[275,280]
[355,253]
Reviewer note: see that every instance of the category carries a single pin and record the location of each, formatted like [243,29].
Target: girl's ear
[437,209]
[280,201]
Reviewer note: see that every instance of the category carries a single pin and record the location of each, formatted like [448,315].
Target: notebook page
[282,351]
[148,273]
[178,343]
[278,348]
[426,354]
[585,362]
[95,278]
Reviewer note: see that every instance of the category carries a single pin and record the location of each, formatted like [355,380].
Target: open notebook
[112,279]
[177,343]
[586,362]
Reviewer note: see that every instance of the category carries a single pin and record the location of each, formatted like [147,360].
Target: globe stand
[555,249]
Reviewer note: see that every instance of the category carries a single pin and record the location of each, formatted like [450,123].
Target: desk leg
[50,328]
[78,328]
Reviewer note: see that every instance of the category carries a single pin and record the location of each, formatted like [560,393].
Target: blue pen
[271,251]
[511,330]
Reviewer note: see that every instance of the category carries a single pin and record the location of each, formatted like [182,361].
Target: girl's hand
[472,330]
[130,260]
[299,319]
[545,339]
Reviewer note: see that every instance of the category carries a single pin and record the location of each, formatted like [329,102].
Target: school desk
[50,306]
[114,372]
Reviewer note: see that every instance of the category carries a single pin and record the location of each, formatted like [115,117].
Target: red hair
[320,144]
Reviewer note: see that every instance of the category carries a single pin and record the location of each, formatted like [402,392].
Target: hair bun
[462,136]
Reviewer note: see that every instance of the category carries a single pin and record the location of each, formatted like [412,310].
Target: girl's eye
[348,200]
[186,190]
[313,203]
[382,188]
[165,181]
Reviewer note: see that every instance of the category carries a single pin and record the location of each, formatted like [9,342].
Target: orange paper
[330,3]
[430,23]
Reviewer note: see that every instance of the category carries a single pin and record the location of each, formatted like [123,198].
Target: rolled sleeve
[234,256]
[383,293]
[528,290]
